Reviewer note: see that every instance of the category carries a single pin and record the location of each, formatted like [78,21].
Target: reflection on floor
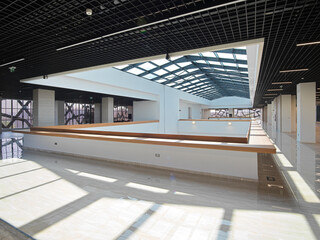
[51,196]
[11,145]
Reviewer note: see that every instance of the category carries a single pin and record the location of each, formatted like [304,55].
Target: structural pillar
[43,107]
[59,113]
[0,115]
[107,106]
[306,112]
[285,111]
[269,115]
[97,113]
[265,117]
[293,113]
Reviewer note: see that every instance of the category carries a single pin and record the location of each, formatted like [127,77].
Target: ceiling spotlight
[89,11]
[294,70]
[193,122]
[168,56]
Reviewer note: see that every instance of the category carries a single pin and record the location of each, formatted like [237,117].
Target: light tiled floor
[51,196]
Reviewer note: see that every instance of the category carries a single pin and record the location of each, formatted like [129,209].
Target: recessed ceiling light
[8,63]
[274,90]
[281,82]
[307,43]
[294,70]
[271,94]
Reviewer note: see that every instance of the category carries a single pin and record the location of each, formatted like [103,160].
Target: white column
[293,113]
[265,117]
[169,111]
[306,112]
[269,115]
[43,107]
[205,113]
[97,113]
[0,116]
[278,114]
[59,113]
[107,110]
[285,113]
[274,115]
[230,111]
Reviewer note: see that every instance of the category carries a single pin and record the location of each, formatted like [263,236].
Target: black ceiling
[34,29]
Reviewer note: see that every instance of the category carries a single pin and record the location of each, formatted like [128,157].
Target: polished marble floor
[51,196]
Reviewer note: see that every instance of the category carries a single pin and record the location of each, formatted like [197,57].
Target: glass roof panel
[201,61]
[160,72]
[161,80]
[225,55]
[241,56]
[150,76]
[121,66]
[230,64]
[172,67]
[184,64]
[170,76]
[214,63]
[135,71]
[243,65]
[160,62]
[208,54]
[147,66]
[171,84]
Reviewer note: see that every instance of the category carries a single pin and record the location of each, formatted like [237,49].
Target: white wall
[293,113]
[43,107]
[138,128]
[215,128]
[231,102]
[59,112]
[184,110]
[107,108]
[285,113]
[244,164]
[269,115]
[146,110]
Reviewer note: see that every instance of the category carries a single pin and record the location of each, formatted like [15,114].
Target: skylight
[204,74]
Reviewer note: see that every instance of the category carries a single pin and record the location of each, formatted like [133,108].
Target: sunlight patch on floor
[250,224]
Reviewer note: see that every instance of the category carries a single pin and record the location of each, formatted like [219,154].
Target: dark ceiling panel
[34,29]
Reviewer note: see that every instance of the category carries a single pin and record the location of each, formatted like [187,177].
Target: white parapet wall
[215,128]
[137,128]
[234,164]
